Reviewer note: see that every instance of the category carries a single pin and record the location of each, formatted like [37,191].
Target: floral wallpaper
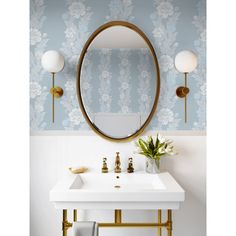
[65,25]
[38,87]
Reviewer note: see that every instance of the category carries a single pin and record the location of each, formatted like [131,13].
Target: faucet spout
[117,163]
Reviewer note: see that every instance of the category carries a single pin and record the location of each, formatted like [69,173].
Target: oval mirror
[118,81]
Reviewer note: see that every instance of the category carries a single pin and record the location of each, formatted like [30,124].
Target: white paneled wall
[52,155]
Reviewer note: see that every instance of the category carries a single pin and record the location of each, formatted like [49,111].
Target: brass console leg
[159,222]
[65,224]
[169,222]
[64,229]
[75,215]
[118,216]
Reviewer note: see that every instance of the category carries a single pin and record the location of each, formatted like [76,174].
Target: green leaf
[151,145]
[157,141]
[142,145]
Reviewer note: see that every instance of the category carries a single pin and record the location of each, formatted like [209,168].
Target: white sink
[117,182]
[137,190]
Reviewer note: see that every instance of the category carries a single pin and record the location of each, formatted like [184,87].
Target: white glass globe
[52,61]
[185,61]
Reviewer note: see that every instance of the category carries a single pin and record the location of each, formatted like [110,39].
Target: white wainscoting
[51,155]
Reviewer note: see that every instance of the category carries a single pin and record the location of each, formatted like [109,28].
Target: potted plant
[153,149]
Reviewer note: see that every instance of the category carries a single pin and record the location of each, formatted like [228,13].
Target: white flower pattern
[85,85]
[199,21]
[145,81]
[35,36]
[35,89]
[166,63]
[76,117]
[105,97]
[165,9]
[76,19]
[165,116]
[105,74]
[124,79]
[70,32]
[166,15]
[70,85]
[121,10]
[38,84]
[77,9]
[159,33]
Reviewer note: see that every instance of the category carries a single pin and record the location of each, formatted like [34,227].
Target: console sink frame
[118,222]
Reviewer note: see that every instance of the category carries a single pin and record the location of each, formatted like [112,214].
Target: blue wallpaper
[65,25]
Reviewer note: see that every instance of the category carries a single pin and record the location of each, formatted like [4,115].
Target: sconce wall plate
[57,92]
[181,92]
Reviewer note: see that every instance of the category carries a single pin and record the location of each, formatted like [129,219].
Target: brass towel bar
[118,222]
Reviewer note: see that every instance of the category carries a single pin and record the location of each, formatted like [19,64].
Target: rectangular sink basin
[137,190]
[117,182]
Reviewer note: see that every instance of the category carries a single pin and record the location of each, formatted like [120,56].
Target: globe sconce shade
[53,62]
[185,62]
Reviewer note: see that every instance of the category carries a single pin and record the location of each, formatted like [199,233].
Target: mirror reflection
[118,82]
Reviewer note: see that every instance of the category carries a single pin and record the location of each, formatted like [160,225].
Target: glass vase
[152,166]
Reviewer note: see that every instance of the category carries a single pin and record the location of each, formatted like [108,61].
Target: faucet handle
[104,165]
[130,168]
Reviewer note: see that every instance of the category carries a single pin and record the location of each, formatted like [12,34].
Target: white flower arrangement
[155,147]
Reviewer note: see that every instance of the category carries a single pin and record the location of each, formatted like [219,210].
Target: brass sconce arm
[56,92]
[182,92]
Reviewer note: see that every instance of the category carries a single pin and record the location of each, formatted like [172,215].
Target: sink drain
[117,186]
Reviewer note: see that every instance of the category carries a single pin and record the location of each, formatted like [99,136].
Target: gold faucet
[117,163]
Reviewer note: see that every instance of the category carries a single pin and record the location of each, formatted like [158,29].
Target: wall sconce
[53,62]
[185,62]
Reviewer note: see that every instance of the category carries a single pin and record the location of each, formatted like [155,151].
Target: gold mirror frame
[82,55]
